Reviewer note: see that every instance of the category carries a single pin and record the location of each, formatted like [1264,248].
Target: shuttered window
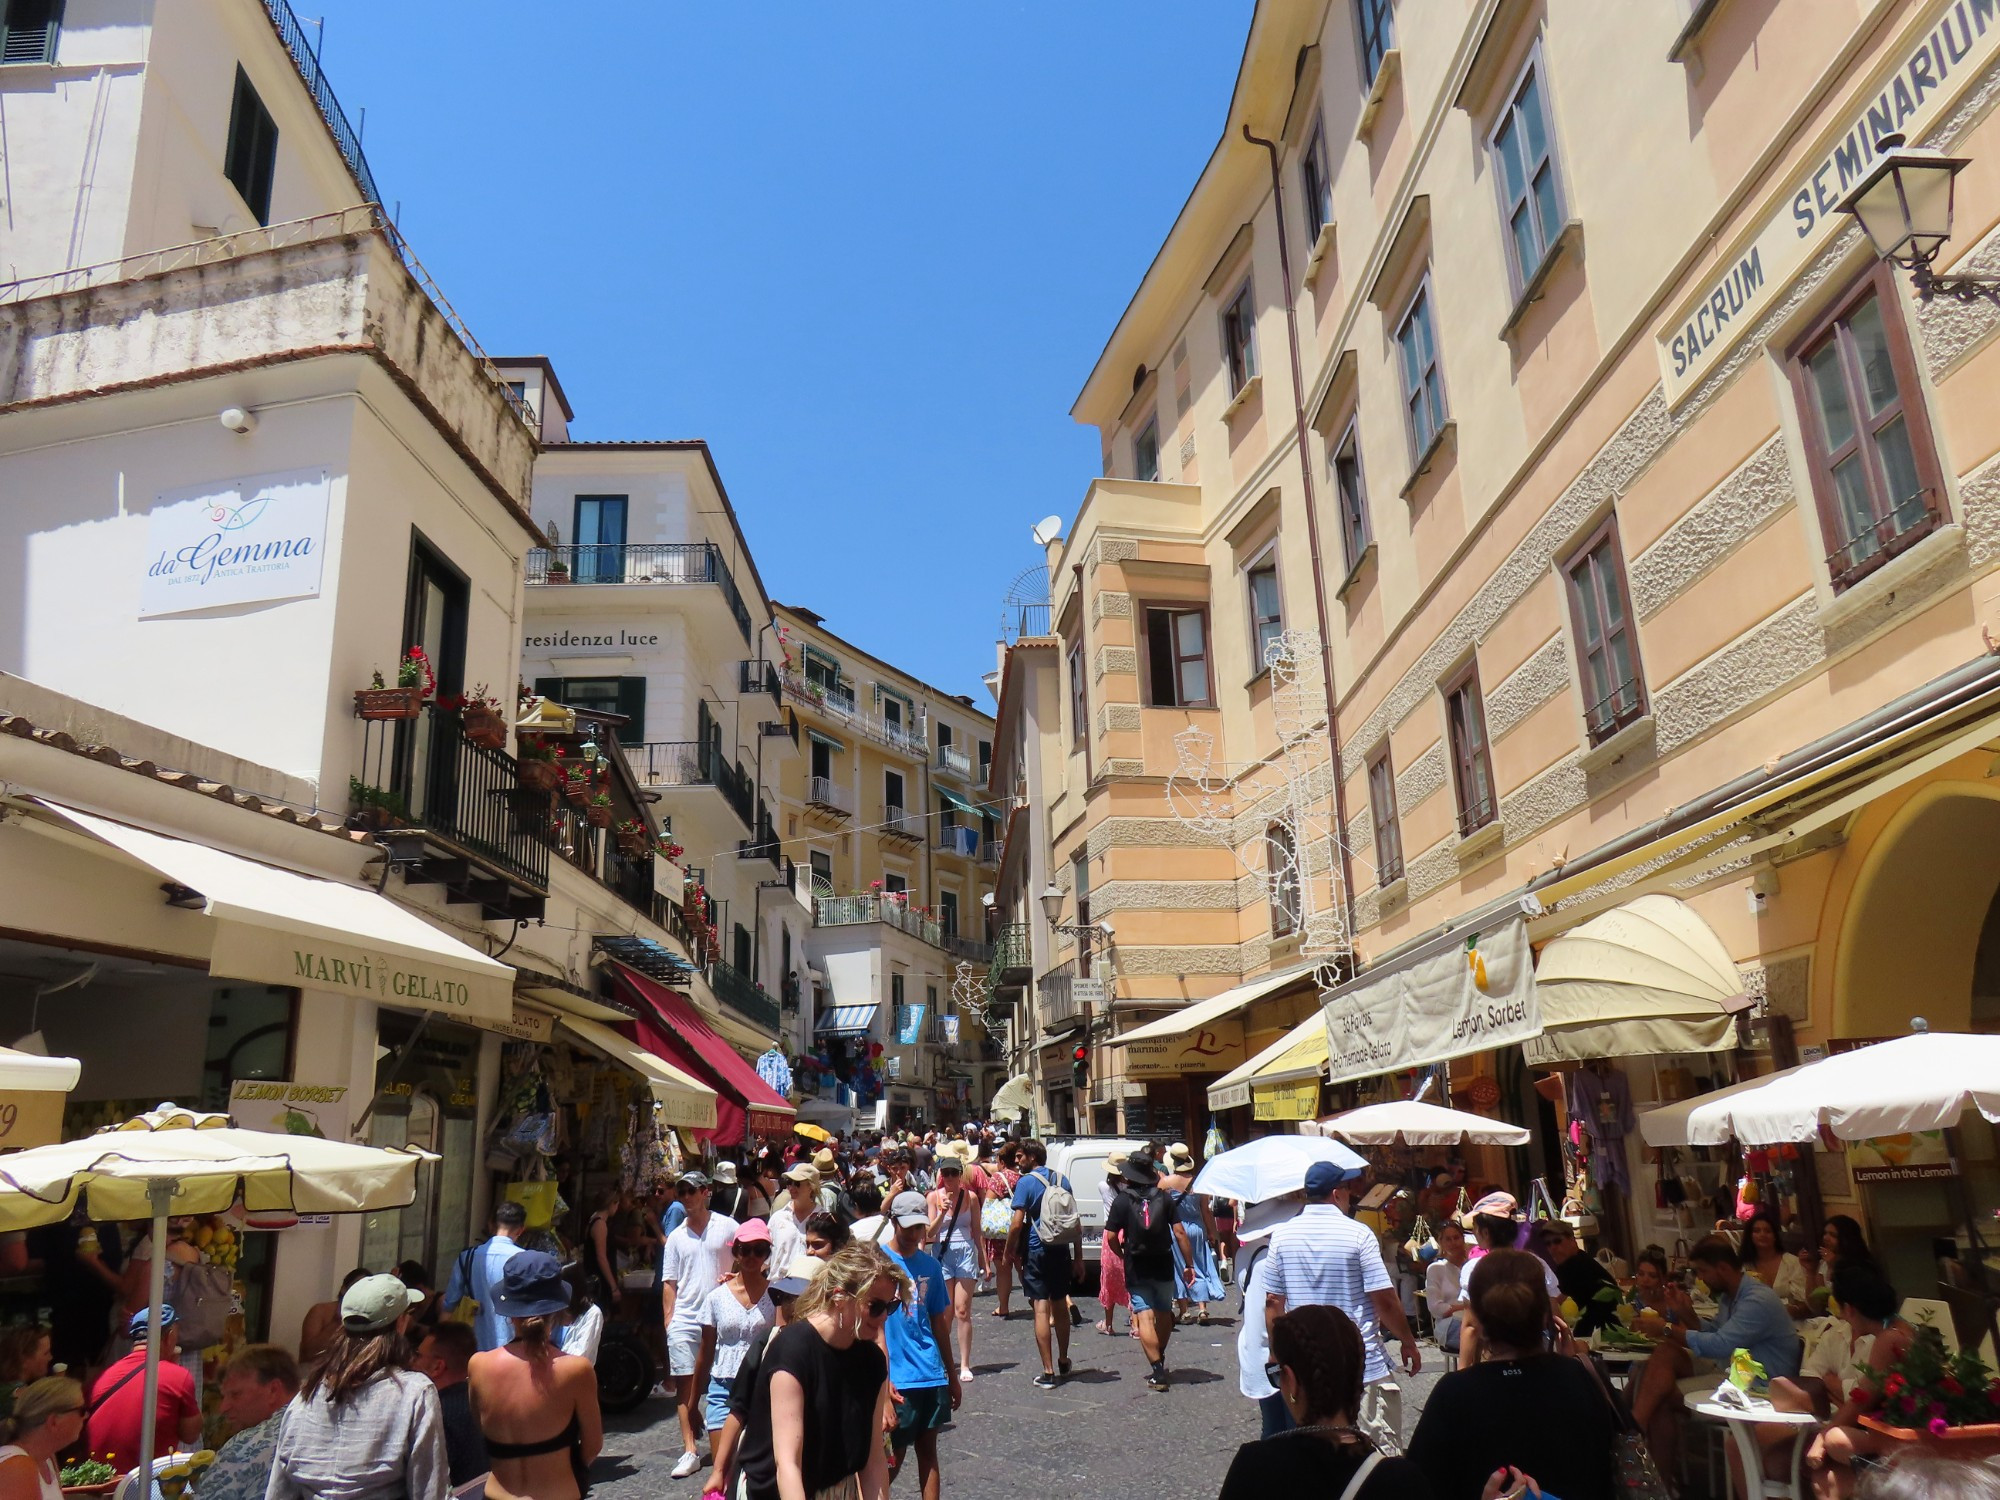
[28,31]
[1614,691]
[1388,828]
[251,160]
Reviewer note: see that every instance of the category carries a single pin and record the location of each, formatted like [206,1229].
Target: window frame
[1265,561]
[901,802]
[1357,535]
[1286,920]
[1176,608]
[1079,697]
[250,148]
[606,560]
[1471,761]
[1534,68]
[1601,537]
[1152,429]
[1421,296]
[1910,405]
[1371,49]
[1388,819]
[49,32]
[1239,315]
[1315,183]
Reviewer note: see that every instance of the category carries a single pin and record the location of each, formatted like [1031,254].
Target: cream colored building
[1647,519]
[886,816]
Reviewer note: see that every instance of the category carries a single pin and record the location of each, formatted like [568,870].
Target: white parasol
[1271,1166]
[177,1161]
[1015,1096]
[1411,1123]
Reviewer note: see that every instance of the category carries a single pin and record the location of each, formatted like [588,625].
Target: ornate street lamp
[1905,206]
[1052,904]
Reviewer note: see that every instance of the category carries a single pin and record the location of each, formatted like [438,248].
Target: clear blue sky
[868,251]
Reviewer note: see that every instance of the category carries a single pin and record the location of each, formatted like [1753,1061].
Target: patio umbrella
[1015,1096]
[176,1161]
[812,1132]
[1410,1123]
[1271,1166]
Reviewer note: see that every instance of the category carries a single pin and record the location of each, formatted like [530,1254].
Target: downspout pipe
[1312,536]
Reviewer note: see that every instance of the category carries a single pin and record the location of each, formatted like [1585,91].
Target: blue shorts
[715,1404]
[960,1261]
[1149,1295]
[1045,1275]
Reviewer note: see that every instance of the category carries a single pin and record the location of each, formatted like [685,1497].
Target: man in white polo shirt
[1323,1257]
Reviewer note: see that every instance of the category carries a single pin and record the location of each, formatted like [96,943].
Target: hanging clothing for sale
[1602,1103]
[775,1071]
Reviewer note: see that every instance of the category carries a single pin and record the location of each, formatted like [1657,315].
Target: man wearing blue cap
[1323,1257]
[118,1398]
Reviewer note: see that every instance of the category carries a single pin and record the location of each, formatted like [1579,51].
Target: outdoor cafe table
[1742,1425]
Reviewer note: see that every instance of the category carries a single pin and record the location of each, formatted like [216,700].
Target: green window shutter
[632,704]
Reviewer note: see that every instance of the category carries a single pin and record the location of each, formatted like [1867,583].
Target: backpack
[1153,1235]
[203,1300]
[1058,1222]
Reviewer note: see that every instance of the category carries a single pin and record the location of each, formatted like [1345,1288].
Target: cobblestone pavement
[1103,1433]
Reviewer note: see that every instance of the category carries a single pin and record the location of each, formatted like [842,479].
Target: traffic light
[1079,1066]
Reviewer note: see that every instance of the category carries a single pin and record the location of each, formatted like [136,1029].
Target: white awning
[279,927]
[1191,1018]
[683,1100]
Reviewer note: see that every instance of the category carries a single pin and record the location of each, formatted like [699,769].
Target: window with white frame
[1352,496]
[1239,337]
[1267,612]
[1146,452]
[1316,183]
[1422,374]
[1523,147]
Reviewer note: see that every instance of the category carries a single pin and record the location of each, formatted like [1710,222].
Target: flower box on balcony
[632,843]
[484,727]
[557,573]
[599,814]
[541,775]
[576,785]
[388,702]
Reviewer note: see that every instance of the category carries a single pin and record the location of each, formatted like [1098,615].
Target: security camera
[1106,928]
[238,420]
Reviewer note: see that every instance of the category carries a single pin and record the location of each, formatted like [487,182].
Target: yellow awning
[683,1100]
[1299,1053]
[1191,1018]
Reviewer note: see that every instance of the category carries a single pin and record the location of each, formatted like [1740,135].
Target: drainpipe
[1312,536]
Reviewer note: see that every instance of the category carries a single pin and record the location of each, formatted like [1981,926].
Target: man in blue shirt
[476,1273]
[1045,1274]
[925,1383]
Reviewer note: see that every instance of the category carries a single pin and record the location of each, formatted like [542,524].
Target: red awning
[672,1028]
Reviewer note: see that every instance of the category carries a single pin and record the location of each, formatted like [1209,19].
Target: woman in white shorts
[959,1245]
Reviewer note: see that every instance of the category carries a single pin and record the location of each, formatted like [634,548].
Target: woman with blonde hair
[47,1418]
[822,1399]
[518,1390]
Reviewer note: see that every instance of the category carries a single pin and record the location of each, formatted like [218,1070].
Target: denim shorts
[715,1405]
[960,1261]
[1149,1295]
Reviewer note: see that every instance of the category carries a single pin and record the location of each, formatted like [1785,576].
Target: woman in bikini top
[519,1390]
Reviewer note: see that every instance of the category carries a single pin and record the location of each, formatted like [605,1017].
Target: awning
[1299,1053]
[827,740]
[1668,1125]
[1650,976]
[846,1020]
[682,1100]
[674,1029]
[279,927]
[962,804]
[1191,1018]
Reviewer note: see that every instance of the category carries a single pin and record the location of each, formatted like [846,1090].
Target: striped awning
[846,1020]
[961,804]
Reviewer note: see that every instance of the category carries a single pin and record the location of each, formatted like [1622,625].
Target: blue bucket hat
[531,1286]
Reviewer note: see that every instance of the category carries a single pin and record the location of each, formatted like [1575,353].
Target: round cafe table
[1742,1426]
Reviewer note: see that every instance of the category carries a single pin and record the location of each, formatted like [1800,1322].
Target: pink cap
[752,1232]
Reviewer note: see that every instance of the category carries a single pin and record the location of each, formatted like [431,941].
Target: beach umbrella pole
[160,1196]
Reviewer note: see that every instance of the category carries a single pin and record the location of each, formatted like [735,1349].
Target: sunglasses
[759,1251]
[878,1307]
[1272,1370]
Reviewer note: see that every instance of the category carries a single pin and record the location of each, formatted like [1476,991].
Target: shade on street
[1271,1166]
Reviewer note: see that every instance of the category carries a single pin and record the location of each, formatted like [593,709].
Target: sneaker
[690,1464]
[1158,1379]
[1045,1381]
[965,1374]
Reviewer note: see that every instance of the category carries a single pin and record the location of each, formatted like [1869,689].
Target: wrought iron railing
[848,911]
[1012,955]
[1909,520]
[991,853]
[473,797]
[836,702]
[900,822]
[1621,706]
[955,839]
[952,761]
[641,562]
[758,677]
[692,763]
[740,994]
[306,60]
[824,791]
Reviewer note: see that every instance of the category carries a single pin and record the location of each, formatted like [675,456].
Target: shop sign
[525,1025]
[1086,992]
[30,1118]
[271,955]
[1297,1100]
[1914,1156]
[236,541]
[1931,70]
[1472,997]
[1215,1048]
[284,1107]
[574,640]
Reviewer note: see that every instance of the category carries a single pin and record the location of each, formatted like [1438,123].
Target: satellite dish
[1047,530]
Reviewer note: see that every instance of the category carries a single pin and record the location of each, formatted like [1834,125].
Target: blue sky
[869,251]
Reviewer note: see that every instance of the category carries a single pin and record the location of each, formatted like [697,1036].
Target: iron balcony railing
[473,797]
[901,823]
[991,853]
[692,763]
[952,761]
[641,562]
[739,993]
[758,677]
[1875,542]
[1623,705]
[1018,620]
[292,34]
[824,792]
[836,702]
[849,911]
[1011,955]
[963,842]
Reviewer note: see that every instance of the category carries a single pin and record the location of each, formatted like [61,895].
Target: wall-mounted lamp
[238,419]
[1905,206]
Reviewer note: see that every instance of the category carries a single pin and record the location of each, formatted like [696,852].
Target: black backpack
[1153,1233]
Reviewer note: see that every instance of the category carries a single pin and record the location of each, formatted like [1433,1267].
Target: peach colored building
[1520,353]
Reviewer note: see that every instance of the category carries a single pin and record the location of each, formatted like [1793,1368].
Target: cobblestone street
[1101,1434]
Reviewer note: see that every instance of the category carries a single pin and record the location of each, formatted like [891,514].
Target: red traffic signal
[1082,1054]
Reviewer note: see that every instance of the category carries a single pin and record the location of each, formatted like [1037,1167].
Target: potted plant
[480,717]
[415,682]
[375,808]
[540,771]
[599,810]
[575,781]
[1939,1399]
[558,571]
[631,836]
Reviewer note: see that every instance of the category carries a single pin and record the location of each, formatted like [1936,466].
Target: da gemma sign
[237,541]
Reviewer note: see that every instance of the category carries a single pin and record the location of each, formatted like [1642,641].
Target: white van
[1081,1159]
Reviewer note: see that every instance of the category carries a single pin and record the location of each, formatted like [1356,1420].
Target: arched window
[1281,865]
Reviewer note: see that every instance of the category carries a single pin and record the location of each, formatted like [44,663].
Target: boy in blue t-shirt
[924,1381]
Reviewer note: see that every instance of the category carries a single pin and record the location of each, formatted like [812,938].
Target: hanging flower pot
[599,816]
[388,702]
[484,727]
[540,775]
[576,785]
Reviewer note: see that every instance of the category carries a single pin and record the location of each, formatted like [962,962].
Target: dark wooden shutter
[28,30]
[632,704]
[549,687]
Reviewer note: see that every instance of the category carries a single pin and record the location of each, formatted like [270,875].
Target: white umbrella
[1014,1096]
[1923,1081]
[1270,1167]
[1415,1124]
[34,1073]
[176,1161]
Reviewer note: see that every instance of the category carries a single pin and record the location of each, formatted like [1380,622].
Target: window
[1378,34]
[1868,442]
[1600,605]
[944,736]
[1267,615]
[1530,196]
[740,950]
[1239,338]
[252,155]
[1079,697]
[895,885]
[1388,829]
[1177,658]
[892,792]
[821,861]
[948,913]
[600,539]
[822,672]
[28,31]
[985,761]
[1471,769]
[1317,184]
[1281,872]
[896,1000]
[892,711]
[1423,380]
[822,760]
[1146,452]
[606,695]
[1353,498]
[1080,871]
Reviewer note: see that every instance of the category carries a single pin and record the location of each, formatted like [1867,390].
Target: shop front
[748,1111]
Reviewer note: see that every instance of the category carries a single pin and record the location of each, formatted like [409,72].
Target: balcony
[641,563]
[738,993]
[1061,1010]
[991,853]
[759,677]
[960,842]
[677,763]
[952,761]
[836,704]
[306,59]
[850,911]
[825,795]
[901,824]
[1012,961]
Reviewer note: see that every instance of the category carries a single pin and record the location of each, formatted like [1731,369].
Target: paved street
[1102,1434]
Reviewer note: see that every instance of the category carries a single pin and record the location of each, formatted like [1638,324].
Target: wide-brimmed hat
[531,1286]
[1179,1158]
[802,1172]
[1492,1206]
[375,1302]
[955,1150]
[725,1171]
[1261,1220]
[823,1159]
[1139,1170]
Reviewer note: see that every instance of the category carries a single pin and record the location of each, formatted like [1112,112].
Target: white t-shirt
[583,1334]
[1253,1340]
[694,1264]
[1443,1285]
[874,1230]
[736,1327]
